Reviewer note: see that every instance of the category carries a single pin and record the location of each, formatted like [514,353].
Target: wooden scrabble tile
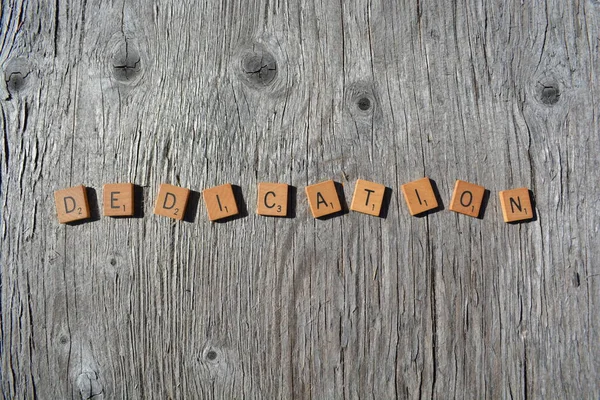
[272,199]
[71,204]
[516,205]
[220,202]
[171,201]
[419,196]
[117,199]
[323,199]
[467,198]
[368,197]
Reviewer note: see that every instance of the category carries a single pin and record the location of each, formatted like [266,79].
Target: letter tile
[220,202]
[419,196]
[117,199]
[272,199]
[71,204]
[368,197]
[171,201]
[323,199]
[516,205]
[467,198]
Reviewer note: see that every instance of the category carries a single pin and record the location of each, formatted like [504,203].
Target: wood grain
[505,94]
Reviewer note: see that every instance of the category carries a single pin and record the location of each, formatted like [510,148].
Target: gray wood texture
[504,94]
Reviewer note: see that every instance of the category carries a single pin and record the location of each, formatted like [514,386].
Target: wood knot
[257,67]
[16,75]
[364,103]
[126,62]
[360,99]
[89,385]
[548,92]
[211,355]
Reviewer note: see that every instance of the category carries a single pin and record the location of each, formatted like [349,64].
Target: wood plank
[200,93]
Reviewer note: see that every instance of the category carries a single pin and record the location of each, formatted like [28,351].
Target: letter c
[265,200]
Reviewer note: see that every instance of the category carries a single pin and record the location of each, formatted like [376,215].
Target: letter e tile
[117,199]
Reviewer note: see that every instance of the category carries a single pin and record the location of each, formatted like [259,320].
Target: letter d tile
[71,204]
[171,201]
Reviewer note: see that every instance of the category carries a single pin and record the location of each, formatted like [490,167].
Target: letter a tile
[220,202]
[368,197]
[71,204]
[117,199]
[272,199]
[516,205]
[467,198]
[171,201]
[419,196]
[323,199]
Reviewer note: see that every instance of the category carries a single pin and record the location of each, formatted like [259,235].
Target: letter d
[74,204]
[167,199]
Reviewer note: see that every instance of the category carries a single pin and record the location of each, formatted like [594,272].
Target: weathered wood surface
[503,94]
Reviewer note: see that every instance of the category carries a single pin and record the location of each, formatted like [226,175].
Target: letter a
[320,200]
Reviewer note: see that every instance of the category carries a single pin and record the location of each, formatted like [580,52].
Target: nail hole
[113,262]
[64,339]
[364,103]
[211,355]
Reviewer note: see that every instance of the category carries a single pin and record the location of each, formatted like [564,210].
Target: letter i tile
[220,202]
[419,196]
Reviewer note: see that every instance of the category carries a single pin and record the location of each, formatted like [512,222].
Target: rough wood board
[505,94]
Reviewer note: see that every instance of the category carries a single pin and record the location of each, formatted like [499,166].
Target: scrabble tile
[71,204]
[272,199]
[467,198]
[117,199]
[368,197]
[516,205]
[323,199]
[171,201]
[220,202]
[419,196]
